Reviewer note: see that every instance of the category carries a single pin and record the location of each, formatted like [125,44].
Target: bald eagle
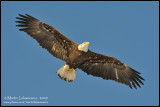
[77,55]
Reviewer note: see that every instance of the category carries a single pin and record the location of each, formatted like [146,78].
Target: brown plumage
[92,63]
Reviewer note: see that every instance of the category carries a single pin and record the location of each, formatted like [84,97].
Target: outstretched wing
[47,36]
[110,68]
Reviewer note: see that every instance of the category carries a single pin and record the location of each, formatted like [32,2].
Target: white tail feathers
[66,75]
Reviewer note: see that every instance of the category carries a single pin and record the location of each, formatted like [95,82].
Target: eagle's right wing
[47,36]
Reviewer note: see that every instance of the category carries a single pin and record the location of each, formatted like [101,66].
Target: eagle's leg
[66,73]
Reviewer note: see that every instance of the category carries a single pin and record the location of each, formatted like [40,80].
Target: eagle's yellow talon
[69,69]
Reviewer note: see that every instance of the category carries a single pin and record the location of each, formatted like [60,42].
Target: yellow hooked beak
[87,43]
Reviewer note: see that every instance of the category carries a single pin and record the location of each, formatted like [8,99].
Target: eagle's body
[77,55]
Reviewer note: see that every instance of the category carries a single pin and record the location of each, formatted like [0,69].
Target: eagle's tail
[65,74]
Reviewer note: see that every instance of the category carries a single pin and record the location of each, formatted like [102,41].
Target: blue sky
[129,31]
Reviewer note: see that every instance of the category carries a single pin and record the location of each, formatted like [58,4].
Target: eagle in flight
[77,55]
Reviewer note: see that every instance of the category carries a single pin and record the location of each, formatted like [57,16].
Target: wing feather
[47,36]
[111,68]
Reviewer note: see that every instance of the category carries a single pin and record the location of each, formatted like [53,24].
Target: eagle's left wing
[108,67]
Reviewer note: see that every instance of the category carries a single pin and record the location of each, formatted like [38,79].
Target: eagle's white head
[83,47]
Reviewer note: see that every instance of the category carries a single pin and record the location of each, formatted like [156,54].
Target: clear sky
[129,31]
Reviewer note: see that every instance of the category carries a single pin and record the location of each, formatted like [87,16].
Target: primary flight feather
[77,55]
